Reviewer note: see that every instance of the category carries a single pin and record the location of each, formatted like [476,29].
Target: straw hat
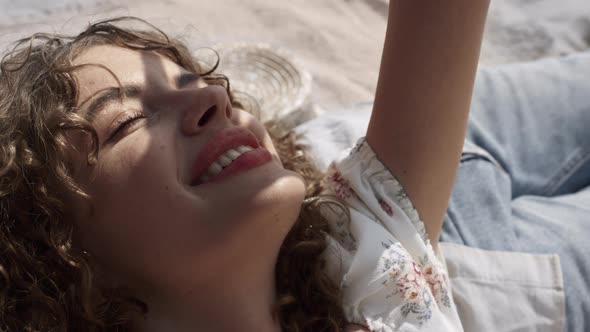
[267,79]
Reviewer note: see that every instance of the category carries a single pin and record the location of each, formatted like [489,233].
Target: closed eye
[125,122]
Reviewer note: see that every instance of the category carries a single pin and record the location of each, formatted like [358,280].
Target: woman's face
[151,225]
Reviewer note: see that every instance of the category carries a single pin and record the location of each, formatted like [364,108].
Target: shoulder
[381,256]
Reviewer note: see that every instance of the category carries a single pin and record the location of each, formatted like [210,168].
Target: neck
[235,303]
[235,298]
[236,293]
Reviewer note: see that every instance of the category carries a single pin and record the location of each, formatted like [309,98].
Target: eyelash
[126,120]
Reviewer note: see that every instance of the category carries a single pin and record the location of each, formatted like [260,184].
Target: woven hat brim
[267,79]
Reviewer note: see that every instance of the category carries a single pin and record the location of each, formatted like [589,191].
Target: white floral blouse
[390,277]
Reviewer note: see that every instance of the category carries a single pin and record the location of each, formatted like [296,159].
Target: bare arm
[423,95]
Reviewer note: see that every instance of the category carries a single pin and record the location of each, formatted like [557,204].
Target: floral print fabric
[380,254]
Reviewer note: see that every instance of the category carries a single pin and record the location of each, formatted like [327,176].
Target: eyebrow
[109,95]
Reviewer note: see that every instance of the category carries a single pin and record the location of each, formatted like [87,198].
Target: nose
[207,106]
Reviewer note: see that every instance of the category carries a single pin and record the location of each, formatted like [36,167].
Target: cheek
[135,171]
[246,119]
[139,182]
[138,207]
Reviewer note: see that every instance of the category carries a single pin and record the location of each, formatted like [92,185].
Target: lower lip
[244,162]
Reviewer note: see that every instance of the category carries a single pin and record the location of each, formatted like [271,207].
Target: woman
[120,210]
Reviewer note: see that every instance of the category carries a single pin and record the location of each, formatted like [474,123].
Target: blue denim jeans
[523,183]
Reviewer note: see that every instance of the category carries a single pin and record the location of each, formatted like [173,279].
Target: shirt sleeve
[380,255]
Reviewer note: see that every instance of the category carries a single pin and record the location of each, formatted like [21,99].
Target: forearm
[423,95]
[434,46]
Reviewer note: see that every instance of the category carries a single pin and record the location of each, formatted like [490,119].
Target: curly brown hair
[46,283]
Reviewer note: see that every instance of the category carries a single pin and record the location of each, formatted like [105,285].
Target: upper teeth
[225,159]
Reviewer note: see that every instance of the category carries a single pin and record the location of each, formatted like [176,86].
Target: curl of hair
[46,283]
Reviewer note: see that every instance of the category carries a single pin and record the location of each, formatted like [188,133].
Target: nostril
[208,114]
[228,111]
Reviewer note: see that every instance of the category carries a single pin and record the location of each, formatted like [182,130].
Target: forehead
[142,68]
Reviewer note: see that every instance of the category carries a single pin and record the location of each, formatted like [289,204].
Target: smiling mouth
[227,152]
[245,161]
[220,144]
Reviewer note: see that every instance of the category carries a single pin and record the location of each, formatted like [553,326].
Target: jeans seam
[566,171]
[490,159]
[451,219]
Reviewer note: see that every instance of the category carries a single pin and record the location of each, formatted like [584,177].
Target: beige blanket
[338,41]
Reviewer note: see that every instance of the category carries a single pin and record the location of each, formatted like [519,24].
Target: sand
[338,41]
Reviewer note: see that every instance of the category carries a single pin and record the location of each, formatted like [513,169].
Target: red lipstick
[219,143]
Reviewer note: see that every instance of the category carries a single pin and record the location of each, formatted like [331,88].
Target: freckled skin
[150,228]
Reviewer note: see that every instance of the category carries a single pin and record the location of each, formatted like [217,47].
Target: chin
[285,191]
[280,201]
[264,213]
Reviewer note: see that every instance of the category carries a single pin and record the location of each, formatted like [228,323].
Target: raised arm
[423,95]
